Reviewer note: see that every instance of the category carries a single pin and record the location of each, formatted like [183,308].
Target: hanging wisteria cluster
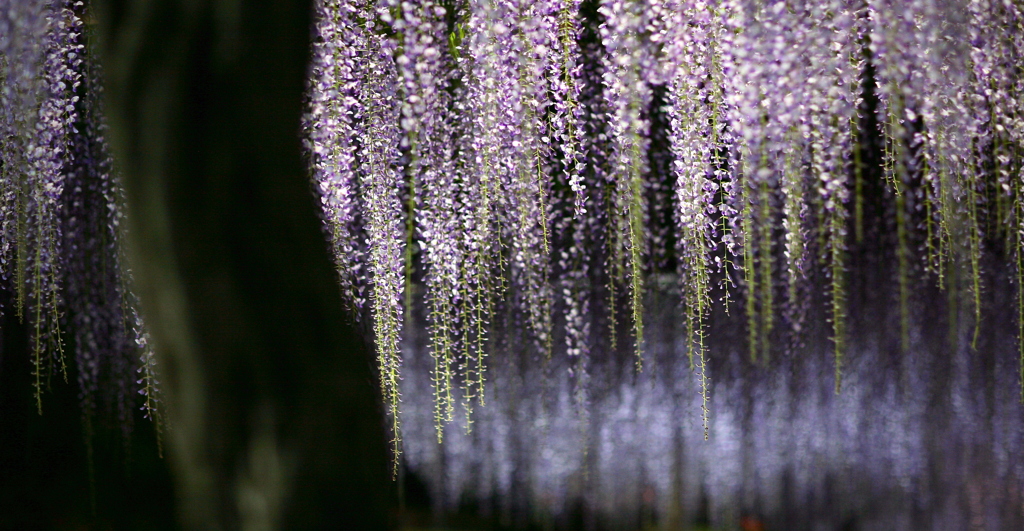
[537,169]
[502,155]
[61,216]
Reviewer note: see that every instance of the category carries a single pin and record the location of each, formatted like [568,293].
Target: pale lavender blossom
[377,137]
[628,94]
[105,350]
[423,68]
[517,165]
[488,75]
[61,223]
[567,112]
[334,79]
[43,54]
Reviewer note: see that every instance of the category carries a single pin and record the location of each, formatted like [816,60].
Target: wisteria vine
[61,212]
[494,165]
[526,129]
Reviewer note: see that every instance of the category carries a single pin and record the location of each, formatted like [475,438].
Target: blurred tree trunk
[273,414]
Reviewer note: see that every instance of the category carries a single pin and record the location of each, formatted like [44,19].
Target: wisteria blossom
[353,134]
[516,160]
[526,175]
[40,156]
[566,85]
[103,319]
[423,70]
[629,95]
[484,144]
[61,217]
[330,138]
[378,150]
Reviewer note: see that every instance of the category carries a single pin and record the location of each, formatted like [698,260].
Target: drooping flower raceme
[105,348]
[566,111]
[34,167]
[330,131]
[696,137]
[353,136]
[526,158]
[629,96]
[504,133]
[378,139]
[487,136]
[423,69]
[507,156]
[61,215]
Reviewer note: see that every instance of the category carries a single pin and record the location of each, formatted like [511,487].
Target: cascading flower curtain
[524,156]
[61,213]
[495,166]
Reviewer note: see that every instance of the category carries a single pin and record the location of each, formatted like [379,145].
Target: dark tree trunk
[270,395]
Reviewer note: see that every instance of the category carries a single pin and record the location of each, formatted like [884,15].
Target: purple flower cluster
[527,176]
[329,131]
[508,150]
[380,184]
[566,84]
[625,35]
[526,167]
[695,110]
[353,137]
[111,344]
[424,71]
[483,172]
[61,214]
[39,108]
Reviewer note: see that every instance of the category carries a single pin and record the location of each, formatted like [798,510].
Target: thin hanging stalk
[629,95]
[837,265]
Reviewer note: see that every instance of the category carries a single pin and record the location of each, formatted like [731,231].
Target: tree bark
[270,395]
